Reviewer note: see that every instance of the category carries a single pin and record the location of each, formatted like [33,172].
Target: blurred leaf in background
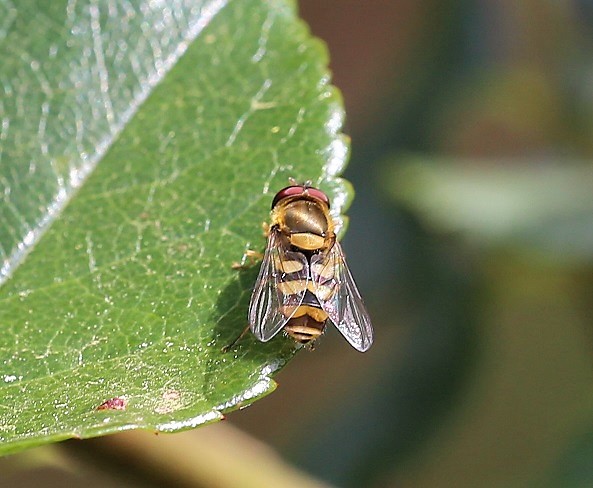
[542,208]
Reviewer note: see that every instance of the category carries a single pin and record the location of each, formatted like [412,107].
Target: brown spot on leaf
[115,403]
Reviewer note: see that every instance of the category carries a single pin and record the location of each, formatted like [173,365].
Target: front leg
[250,258]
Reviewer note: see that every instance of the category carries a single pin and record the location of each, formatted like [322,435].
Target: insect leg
[226,348]
[250,257]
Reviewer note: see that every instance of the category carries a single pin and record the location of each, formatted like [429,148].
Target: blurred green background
[471,239]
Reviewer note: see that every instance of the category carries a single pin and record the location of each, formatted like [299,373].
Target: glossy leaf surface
[187,118]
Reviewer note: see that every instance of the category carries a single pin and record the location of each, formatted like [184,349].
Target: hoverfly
[304,280]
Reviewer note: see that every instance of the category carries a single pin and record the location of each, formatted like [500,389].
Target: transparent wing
[337,293]
[279,289]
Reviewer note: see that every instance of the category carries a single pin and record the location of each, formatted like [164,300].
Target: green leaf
[196,114]
[542,207]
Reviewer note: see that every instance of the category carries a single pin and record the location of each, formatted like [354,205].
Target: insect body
[304,280]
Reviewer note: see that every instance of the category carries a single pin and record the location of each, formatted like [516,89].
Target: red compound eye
[291,191]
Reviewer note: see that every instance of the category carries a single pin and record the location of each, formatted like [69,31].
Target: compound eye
[289,191]
[314,192]
[296,190]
